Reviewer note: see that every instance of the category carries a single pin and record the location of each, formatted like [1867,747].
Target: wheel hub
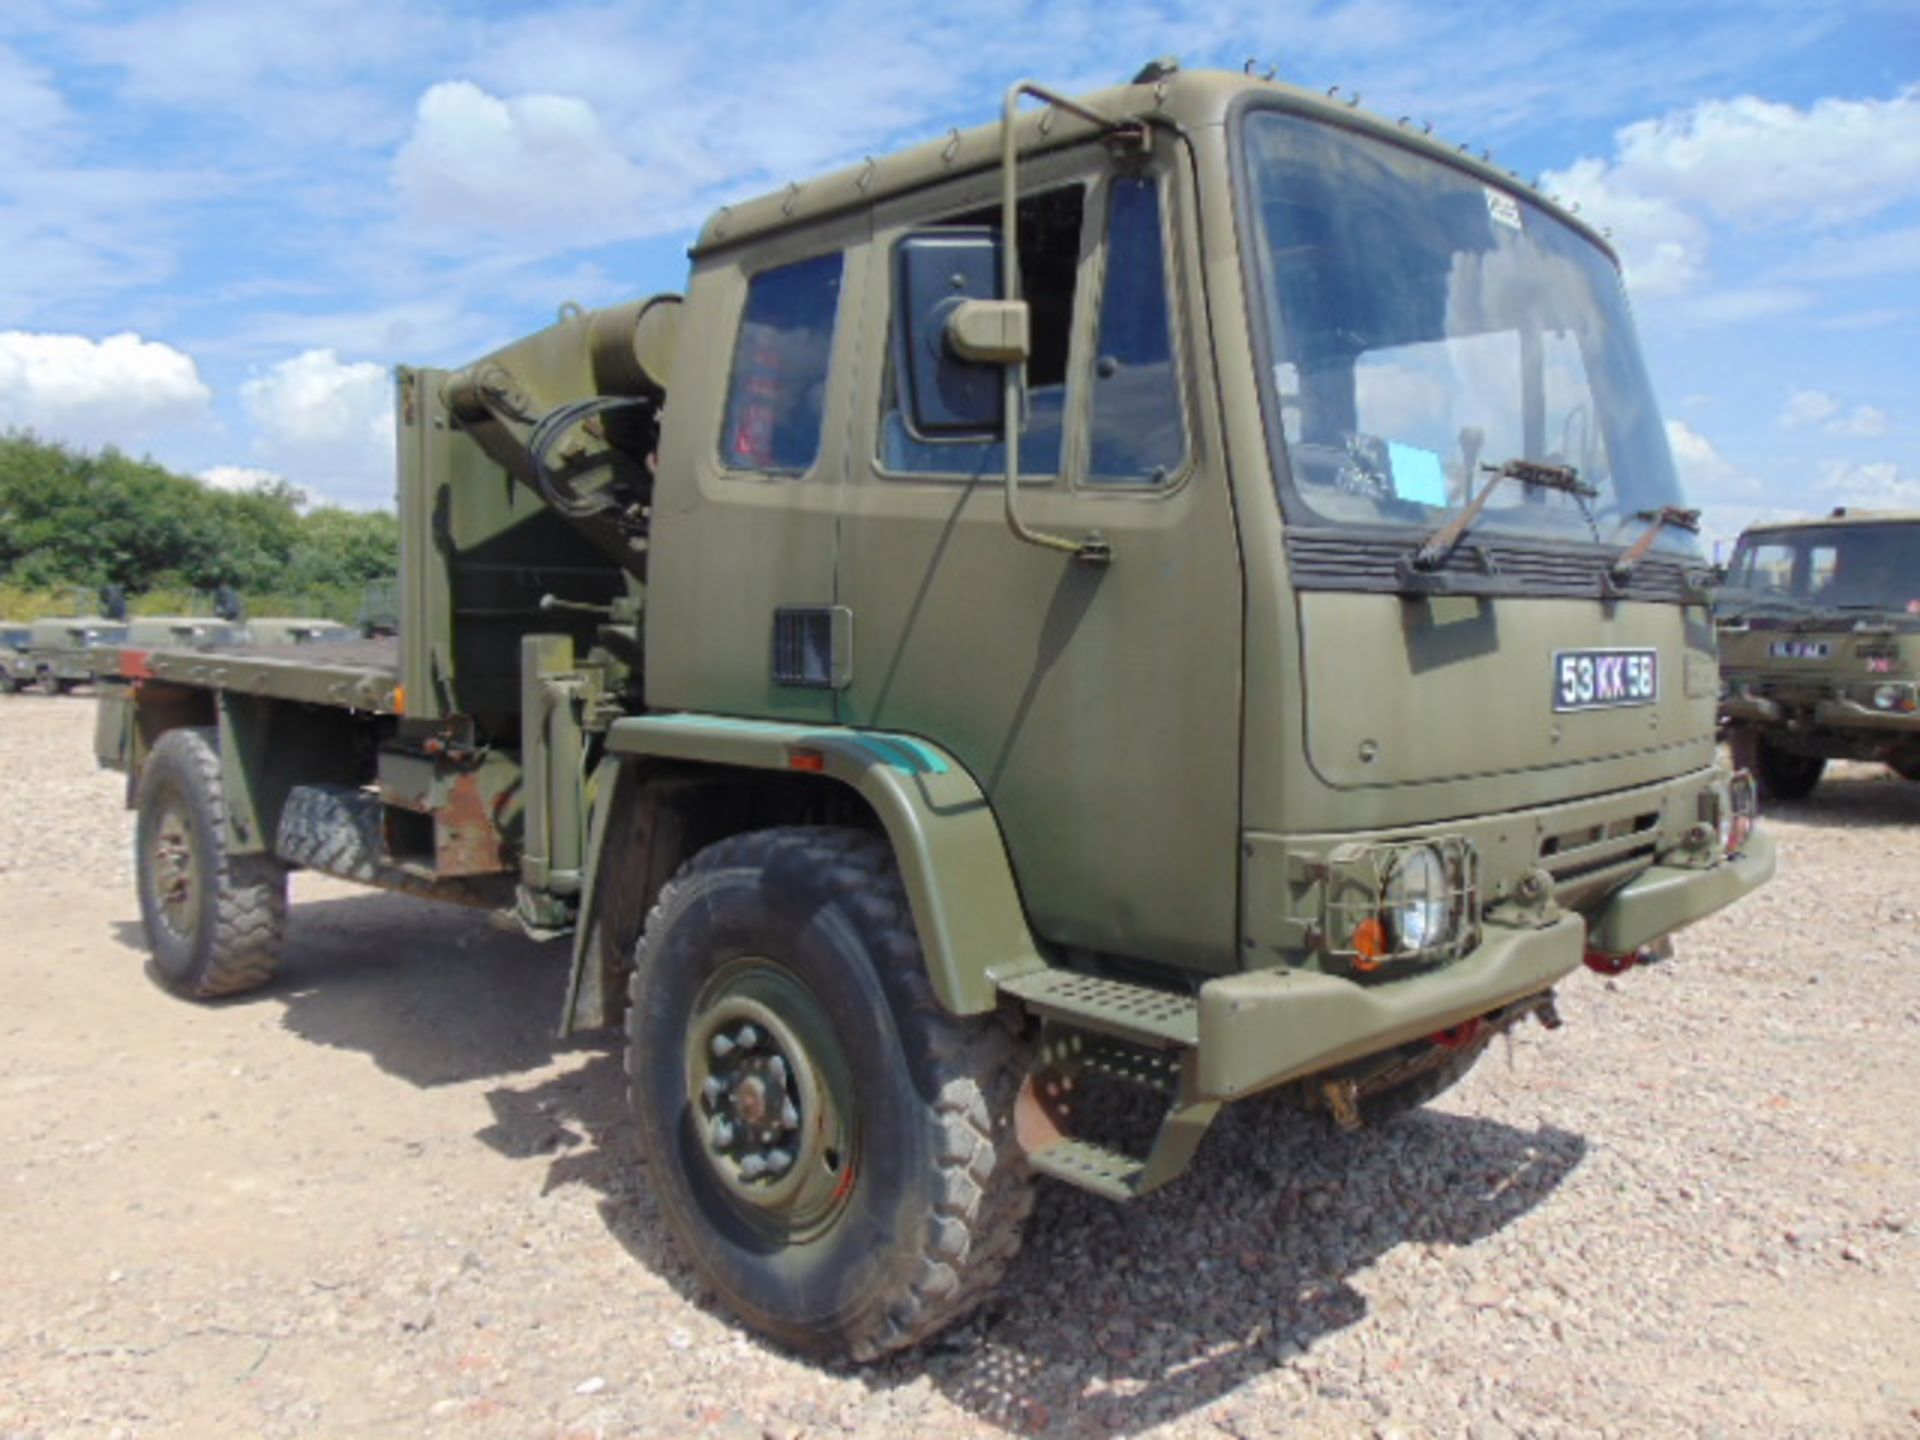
[771,1098]
[176,871]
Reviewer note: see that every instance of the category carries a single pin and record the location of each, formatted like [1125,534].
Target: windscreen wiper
[1657,520]
[1534,474]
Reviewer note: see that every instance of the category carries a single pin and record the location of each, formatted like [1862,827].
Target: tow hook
[1548,1014]
[1602,963]
[1343,1101]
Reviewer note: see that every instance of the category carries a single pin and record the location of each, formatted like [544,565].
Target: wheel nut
[722,1047]
[789,1115]
[748,1037]
[713,1088]
[753,1166]
[779,1161]
[722,1131]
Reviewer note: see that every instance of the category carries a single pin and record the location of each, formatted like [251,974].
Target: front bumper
[1821,713]
[1265,1027]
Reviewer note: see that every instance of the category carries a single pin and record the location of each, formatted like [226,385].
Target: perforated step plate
[1091,1167]
[1117,1007]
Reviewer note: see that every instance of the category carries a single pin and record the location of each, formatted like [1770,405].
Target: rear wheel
[214,921]
[833,1151]
[1786,776]
[47,683]
[1907,767]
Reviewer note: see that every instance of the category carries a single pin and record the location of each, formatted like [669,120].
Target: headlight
[1392,901]
[1893,697]
[1417,903]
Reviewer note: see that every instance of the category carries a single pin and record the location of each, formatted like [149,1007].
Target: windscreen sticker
[1417,474]
[1502,208]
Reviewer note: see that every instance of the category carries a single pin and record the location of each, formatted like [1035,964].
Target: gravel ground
[378,1199]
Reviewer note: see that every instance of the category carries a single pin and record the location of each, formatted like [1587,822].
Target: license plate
[1800,650]
[1603,679]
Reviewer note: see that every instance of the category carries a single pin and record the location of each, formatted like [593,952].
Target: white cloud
[1862,420]
[1709,476]
[32,111]
[116,391]
[1873,485]
[1808,407]
[326,422]
[1729,498]
[239,477]
[527,165]
[1749,162]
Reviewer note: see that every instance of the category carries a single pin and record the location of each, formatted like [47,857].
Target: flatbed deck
[351,674]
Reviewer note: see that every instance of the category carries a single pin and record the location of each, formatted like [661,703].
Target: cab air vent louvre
[1343,561]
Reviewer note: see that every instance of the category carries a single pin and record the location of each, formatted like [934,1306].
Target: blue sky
[221,222]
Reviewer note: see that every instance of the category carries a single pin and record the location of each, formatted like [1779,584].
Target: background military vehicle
[379,612]
[297,630]
[1820,646]
[15,671]
[58,646]
[1184,589]
[183,632]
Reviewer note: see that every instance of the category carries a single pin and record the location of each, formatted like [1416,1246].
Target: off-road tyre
[334,829]
[226,938]
[935,1190]
[47,683]
[1786,776]
[1907,767]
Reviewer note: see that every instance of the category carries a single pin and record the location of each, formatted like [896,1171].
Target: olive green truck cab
[52,654]
[1182,589]
[1820,647]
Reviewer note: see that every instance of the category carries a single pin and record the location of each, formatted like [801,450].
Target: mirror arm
[1092,550]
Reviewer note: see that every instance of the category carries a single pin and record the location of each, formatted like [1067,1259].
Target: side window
[777,394]
[1049,266]
[1137,434]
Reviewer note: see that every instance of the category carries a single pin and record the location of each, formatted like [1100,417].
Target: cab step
[1105,1172]
[1056,1107]
[1139,1013]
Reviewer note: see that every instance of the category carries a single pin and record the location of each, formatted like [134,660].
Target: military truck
[57,651]
[182,632]
[16,671]
[298,630]
[1183,589]
[1820,647]
[379,612]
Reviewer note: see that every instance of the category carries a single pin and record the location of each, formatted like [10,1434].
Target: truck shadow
[1118,1319]
[1862,800]
[1113,1319]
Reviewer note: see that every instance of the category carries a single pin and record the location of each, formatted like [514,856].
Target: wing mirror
[957,334]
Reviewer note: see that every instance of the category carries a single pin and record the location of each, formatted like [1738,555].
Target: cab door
[1097,706]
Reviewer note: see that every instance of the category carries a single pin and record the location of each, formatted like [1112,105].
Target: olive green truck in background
[1820,647]
[1183,589]
[52,654]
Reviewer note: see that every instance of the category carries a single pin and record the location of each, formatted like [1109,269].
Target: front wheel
[47,683]
[833,1151]
[213,920]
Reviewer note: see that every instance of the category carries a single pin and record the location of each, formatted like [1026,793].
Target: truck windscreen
[1425,324]
[1826,567]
